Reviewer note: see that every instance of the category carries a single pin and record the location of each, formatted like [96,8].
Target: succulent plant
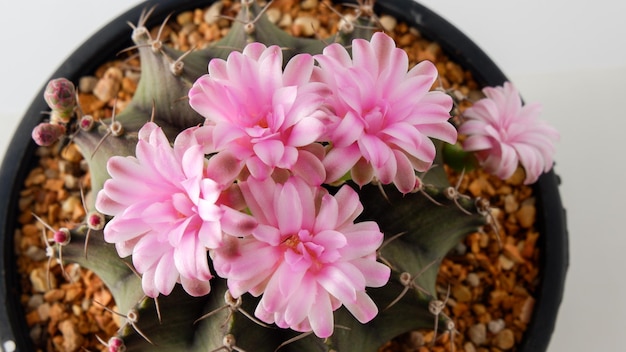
[420,225]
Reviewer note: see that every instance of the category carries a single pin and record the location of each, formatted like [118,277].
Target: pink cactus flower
[382,117]
[167,212]
[505,133]
[260,113]
[307,257]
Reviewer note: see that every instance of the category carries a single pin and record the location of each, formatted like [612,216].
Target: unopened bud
[60,94]
[46,134]
[86,123]
[62,236]
[95,220]
[116,344]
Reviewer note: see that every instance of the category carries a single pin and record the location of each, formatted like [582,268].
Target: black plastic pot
[103,46]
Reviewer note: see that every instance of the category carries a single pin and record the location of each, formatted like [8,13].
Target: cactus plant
[245,180]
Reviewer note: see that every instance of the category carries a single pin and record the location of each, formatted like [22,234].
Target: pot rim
[115,36]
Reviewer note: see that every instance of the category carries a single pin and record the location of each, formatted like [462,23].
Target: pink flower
[505,133]
[167,212]
[382,117]
[307,256]
[260,113]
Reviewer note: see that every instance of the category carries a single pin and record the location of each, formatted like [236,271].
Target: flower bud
[60,94]
[62,236]
[45,134]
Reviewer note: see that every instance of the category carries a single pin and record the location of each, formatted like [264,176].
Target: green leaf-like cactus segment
[418,233]
[102,259]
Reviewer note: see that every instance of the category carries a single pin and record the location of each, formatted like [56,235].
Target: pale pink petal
[338,162]
[405,175]
[327,215]
[349,206]
[288,209]
[310,168]
[321,317]
[305,132]
[195,287]
[298,70]
[362,172]
[376,274]
[164,277]
[236,223]
[337,284]
[363,309]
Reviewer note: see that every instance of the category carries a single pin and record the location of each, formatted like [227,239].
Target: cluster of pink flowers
[257,206]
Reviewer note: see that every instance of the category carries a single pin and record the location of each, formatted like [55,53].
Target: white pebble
[273,15]
[495,326]
[309,25]
[309,4]
[388,22]
[473,279]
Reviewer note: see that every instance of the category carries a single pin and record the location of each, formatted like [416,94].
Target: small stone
[462,293]
[32,318]
[527,310]
[212,14]
[35,253]
[72,339]
[416,339]
[526,215]
[71,153]
[86,84]
[38,278]
[73,293]
[54,295]
[478,334]
[518,177]
[469,347]
[185,18]
[103,297]
[495,326]
[129,85]
[513,253]
[510,204]
[505,263]
[273,15]
[36,334]
[505,339]
[309,4]
[388,22]
[307,25]
[460,248]
[44,311]
[71,182]
[286,21]
[479,309]
[473,279]
[109,85]
[35,301]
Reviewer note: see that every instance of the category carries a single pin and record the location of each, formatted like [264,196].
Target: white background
[570,55]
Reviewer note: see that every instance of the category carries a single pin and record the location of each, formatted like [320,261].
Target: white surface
[568,55]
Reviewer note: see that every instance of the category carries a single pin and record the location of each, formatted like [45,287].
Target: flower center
[292,242]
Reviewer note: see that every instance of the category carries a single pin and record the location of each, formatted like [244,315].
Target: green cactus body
[423,227]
